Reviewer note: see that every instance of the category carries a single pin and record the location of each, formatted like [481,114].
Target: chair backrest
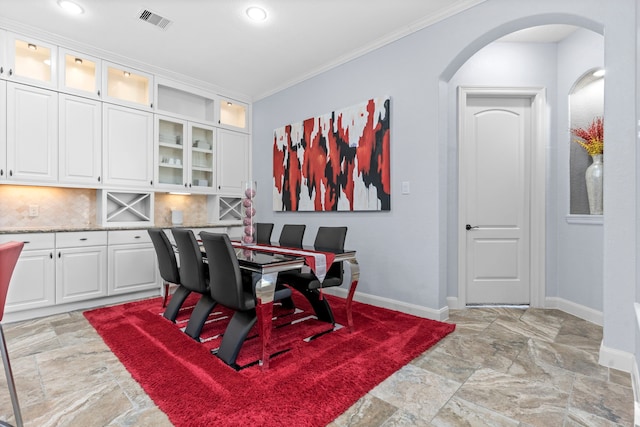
[9,254]
[193,272]
[167,263]
[331,238]
[225,277]
[291,235]
[263,232]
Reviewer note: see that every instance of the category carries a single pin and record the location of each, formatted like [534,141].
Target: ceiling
[212,41]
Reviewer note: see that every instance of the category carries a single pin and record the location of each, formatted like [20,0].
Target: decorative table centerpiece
[249,237]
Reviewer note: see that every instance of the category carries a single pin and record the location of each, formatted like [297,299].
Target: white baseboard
[454,303]
[635,383]
[404,307]
[35,313]
[585,313]
[616,359]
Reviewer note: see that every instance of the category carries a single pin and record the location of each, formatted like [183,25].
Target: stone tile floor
[501,367]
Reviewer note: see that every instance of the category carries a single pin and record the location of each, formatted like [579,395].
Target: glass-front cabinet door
[202,160]
[30,61]
[80,74]
[171,156]
[123,85]
[233,115]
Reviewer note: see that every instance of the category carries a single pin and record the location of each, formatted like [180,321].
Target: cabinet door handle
[136,237]
[151,105]
[10,72]
[59,254]
[98,179]
[82,239]
[10,173]
[1,70]
[151,182]
[50,255]
[26,242]
[98,93]
[1,172]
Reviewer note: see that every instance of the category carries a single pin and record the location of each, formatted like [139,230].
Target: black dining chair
[194,275]
[168,266]
[291,235]
[234,289]
[330,239]
[263,232]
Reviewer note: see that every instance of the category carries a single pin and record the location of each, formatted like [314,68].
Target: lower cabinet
[81,263]
[70,267]
[33,281]
[132,262]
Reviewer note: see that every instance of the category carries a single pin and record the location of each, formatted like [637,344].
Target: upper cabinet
[80,74]
[233,115]
[127,147]
[30,61]
[182,101]
[79,141]
[32,134]
[233,161]
[124,85]
[184,155]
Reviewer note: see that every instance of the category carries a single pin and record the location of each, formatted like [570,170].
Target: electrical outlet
[34,210]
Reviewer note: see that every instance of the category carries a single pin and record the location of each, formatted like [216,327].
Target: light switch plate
[405,187]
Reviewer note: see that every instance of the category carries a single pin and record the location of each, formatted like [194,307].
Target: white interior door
[495,166]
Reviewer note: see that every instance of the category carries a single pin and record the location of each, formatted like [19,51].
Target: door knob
[469,227]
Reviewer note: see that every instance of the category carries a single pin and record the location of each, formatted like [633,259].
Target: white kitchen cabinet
[233,161]
[127,147]
[31,61]
[33,281]
[184,155]
[3,130]
[126,86]
[4,68]
[32,134]
[81,262]
[80,141]
[233,115]
[132,262]
[80,74]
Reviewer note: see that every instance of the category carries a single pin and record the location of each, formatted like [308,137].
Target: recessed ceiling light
[32,46]
[256,13]
[598,73]
[70,7]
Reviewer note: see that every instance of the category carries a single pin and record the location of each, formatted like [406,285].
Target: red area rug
[309,384]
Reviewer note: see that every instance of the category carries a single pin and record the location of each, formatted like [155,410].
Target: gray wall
[404,253]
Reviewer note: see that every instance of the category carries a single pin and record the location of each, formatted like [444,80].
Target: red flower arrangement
[592,137]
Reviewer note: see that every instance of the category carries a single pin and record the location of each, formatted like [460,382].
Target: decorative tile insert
[193,207]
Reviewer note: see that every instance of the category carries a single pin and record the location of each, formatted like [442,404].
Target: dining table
[266,261]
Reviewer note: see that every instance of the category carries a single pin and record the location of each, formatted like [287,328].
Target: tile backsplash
[55,207]
[193,207]
[76,207]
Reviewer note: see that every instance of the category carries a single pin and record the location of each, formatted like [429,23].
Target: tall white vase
[593,176]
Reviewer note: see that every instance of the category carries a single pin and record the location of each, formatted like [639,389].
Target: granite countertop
[53,229]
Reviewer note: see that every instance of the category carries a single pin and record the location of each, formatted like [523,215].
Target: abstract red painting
[335,162]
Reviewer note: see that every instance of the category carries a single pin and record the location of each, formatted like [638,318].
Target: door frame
[537,187]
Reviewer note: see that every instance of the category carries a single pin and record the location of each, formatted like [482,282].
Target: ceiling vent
[153,18]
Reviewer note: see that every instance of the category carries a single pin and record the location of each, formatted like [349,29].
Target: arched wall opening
[530,65]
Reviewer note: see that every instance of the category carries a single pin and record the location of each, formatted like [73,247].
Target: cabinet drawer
[32,241]
[75,239]
[126,237]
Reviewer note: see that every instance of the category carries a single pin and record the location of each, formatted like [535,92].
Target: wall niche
[586,101]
